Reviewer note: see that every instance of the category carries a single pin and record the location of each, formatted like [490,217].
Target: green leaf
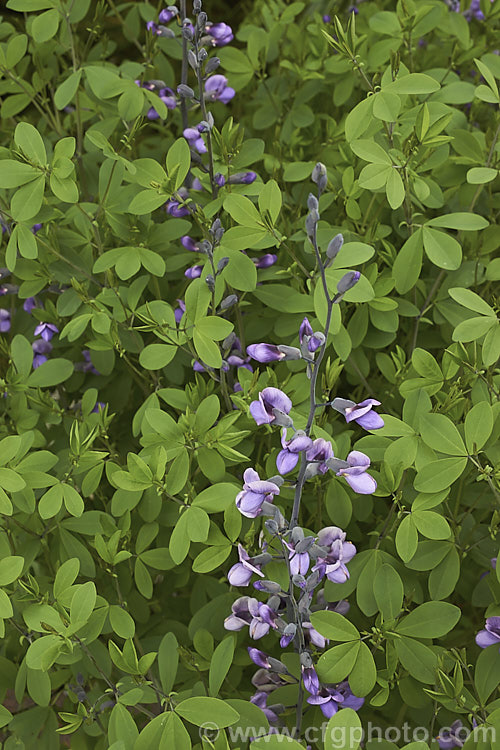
[408,263]
[343,731]
[51,502]
[388,591]
[431,524]
[51,373]
[178,162]
[66,576]
[72,500]
[440,433]
[66,90]
[145,202]
[487,673]
[478,426]
[211,558]
[214,327]
[364,674]
[471,301]
[157,356]
[418,659]
[5,716]
[413,83]
[386,106]
[27,200]
[104,82]
[122,727]
[83,602]
[473,328]
[45,26]
[199,711]
[131,102]
[30,142]
[336,663]
[441,249]
[462,220]
[11,481]
[334,626]
[438,475]
[481,175]
[10,569]
[15,173]
[371,151]
[406,539]
[168,660]
[270,200]
[207,350]
[16,50]
[220,664]
[429,620]
[395,189]
[242,210]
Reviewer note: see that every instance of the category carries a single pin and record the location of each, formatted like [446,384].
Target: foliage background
[118,525]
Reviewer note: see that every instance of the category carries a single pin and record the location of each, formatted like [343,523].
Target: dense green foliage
[119,467]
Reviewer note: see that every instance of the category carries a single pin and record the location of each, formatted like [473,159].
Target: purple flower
[41,348]
[242,178]
[194,272]
[449,737]
[258,657]
[327,18]
[190,244]
[299,555]
[269,400]
[167,95]
[36,228]
[354,471]
[4,320]
[221,34]
[338,553]
[241,573]
[179,311]
[491,635]
[287,458]
[216,89]
[332,697]
[312,636]
[86,365]
[175,209]
[219,179]
[46,330]
[320,451]
[308,338]
[267,260]
[30,303]
[361,413]
[474,11]
[193,137]
[100,406]
[166,16]
[265,352]
[152,27]
[255,492]
[249,611]
[310,679]
[260,700]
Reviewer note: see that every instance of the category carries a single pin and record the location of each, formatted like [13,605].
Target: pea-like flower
[4,320]
[46,330]
[193,137]
[332,697]
[194,272]
[310,679]
[452,736]
[265,352]
[338,554]
[354,471]
[490,636]
[287,458]
[249,611]
[241,573]
[256,491]
[267,260]
[221,34]
[319,453]
[216,89]
[361,413]
[40,348]
[309,340]
[271,404]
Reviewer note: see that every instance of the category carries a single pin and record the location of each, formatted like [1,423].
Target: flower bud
[185,92]
[281,419]
[210,282]
[276,665]
[297,535]
[192,60]
[271,587]
[274,602]
[196,6]
[347,281]
[187,33]
[306,659]
[290,352]
[202,55]
[221,266]
[271,526]
[202,20]
[334,246]
[228,302]
[312,202]
[311,222]
[212,65]
[298,580]
[319,176]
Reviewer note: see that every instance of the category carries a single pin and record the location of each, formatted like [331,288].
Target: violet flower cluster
[311,558]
